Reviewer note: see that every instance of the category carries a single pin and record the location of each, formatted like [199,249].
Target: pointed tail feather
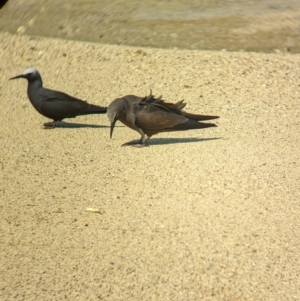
[198,117]
[93,109]
[192,124]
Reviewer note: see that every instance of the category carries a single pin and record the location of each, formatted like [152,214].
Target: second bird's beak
[112,125]
[18,76]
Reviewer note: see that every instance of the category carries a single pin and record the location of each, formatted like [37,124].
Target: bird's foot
[54,124]
[49,125]
[139,145]
[135,143]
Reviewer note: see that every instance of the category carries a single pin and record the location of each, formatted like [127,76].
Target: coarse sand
[207,214]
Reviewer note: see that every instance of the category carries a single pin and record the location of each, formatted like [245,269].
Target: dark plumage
[150,116]
[54,104]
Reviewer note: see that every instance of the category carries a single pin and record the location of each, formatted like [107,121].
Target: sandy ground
[257,25]
[199,215]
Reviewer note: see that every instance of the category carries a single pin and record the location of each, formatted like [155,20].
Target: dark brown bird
[54,104]
[149,116]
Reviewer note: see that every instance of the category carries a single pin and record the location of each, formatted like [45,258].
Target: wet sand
[199,215]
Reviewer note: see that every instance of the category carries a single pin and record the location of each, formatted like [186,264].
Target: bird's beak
[112,125]
[18,76]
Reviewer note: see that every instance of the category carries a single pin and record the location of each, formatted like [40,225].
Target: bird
[150,116]
[54,104]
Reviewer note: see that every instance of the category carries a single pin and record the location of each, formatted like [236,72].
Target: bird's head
[31,74]
[114,111]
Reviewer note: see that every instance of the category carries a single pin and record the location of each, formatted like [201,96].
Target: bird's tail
[198,117]
[93,109]
[192,124]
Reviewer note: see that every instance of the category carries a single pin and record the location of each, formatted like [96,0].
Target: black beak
[18,76]
[112,125]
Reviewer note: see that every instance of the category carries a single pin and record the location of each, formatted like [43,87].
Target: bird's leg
[50,125]
[145,142]
[142,140]
[56,122]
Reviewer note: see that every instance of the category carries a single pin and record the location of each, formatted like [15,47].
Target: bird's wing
[198,117]
[176,108]
[161,104]
[154,118]
[59,105]
[132,99]
[52,95]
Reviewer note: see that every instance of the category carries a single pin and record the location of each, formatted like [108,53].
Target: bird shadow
[162,141]
[72,125]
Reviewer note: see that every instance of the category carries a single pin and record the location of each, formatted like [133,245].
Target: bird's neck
[33,90]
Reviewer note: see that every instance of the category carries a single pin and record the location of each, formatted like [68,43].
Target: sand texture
[207,214]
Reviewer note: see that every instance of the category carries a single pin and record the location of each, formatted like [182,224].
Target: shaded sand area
[199,215]
[256,25]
